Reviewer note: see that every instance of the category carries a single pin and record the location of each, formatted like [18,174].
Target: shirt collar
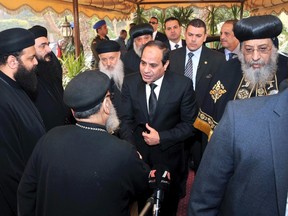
[196,53]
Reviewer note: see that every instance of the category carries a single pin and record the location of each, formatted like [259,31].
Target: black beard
[48,56]
[26,79]
[49,70]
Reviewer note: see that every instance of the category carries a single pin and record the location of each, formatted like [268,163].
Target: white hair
[259,75]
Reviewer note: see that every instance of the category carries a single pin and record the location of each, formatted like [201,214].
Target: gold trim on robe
[245,90]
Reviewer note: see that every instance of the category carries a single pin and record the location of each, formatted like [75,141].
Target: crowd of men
[162,102]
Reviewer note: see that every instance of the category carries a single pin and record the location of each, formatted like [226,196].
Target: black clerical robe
[20,128]
[49,95]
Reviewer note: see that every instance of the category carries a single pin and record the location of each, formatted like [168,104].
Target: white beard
[260,75]
[113,121]
[138,50]
[116,73]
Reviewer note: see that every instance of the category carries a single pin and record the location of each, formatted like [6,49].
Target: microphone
[159,180]
[283,85]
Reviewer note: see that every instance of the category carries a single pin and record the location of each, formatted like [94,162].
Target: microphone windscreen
[159,177]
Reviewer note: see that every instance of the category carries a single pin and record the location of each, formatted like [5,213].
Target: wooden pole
[241,9]
[76,28]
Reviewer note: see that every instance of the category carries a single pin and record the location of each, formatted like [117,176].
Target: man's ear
[12,62]
[166,65]
[106,105]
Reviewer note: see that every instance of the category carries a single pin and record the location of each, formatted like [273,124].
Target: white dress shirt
[156,90]
[172,44]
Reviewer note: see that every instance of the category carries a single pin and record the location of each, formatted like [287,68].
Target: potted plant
[72,66]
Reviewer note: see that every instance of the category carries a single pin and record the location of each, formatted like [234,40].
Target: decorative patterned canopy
[254,6]
[121,9]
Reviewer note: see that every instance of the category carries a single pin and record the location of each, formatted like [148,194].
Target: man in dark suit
[156,34]
[230,44]
[243,170]
[159,133]
[205,63]
[173,31]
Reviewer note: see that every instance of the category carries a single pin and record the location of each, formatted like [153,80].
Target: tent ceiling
[120,9]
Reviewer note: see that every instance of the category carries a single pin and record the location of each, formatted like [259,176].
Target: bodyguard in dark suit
[156,34]
[173,31]
[159,133]
[230,44]
[243,170]
[205,63]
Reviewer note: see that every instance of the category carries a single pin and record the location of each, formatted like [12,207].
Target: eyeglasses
[153,23]
[261,50]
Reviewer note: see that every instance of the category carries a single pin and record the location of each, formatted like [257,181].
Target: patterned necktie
[176,46]
[152,101]
[189,66]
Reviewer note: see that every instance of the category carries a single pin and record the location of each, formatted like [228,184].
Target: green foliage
[161,19]
[12,23]
[211,20]
[183,14]
[235,10]
[139,16]
[72,67]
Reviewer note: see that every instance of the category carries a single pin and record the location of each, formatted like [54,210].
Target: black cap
[258,27]
[107,46]
[15,39]
[140,29]
[38,31]
[86,90]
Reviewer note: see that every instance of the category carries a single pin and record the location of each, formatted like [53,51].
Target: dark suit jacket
[175,114]
[243,170]
[209,61]
[160,36]
[221,50]
[168,44]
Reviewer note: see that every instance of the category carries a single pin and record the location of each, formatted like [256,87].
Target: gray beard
[138,50]
[113,121]
[260,75]
[117,73]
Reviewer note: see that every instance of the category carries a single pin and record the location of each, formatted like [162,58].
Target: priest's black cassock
[20,128]
[49,95]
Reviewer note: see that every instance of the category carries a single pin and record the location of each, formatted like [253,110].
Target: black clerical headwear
[258,27]
[86,90]
[140,29]
[38,31]
[107,46]
[15,39]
